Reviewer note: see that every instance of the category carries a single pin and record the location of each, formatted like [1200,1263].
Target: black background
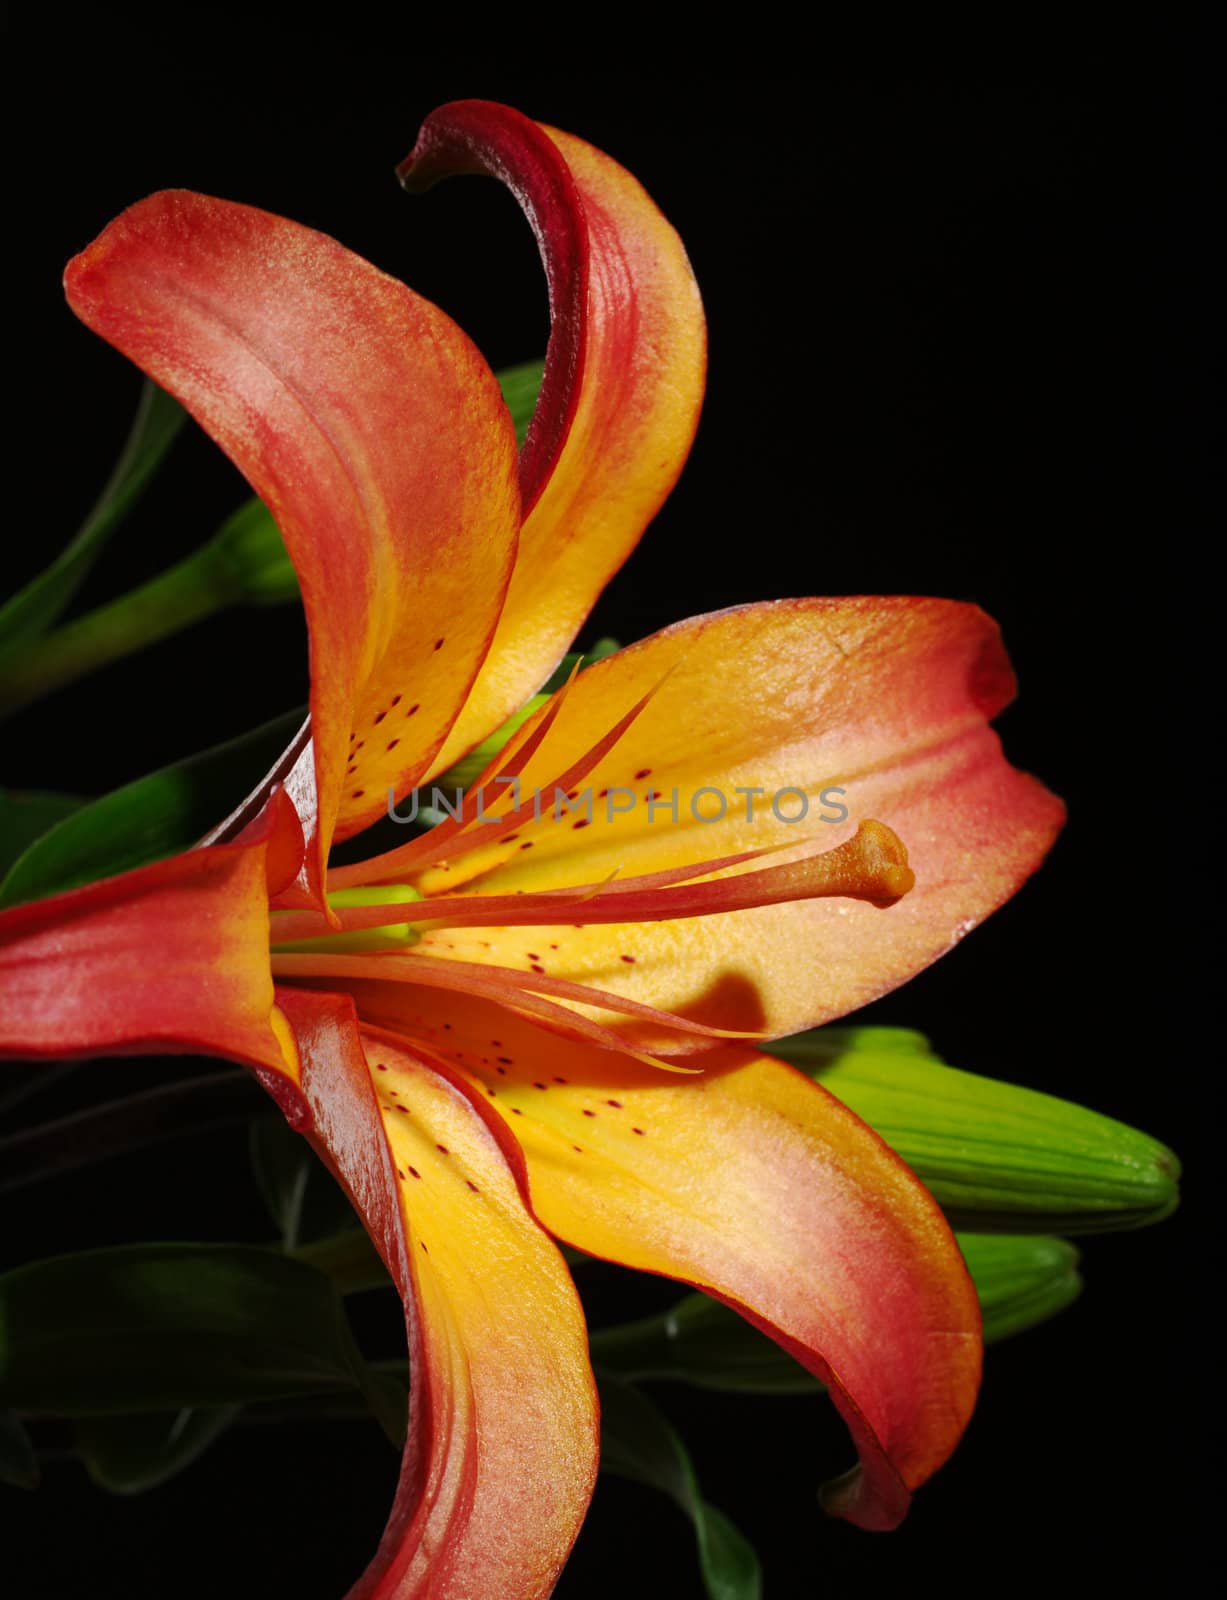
[958,334]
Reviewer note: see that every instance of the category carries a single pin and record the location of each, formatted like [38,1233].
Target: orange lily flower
[537,1025]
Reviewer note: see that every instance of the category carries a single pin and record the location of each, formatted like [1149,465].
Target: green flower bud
[998,1158]
[250,559]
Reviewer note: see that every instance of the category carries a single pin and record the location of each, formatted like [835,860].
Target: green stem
[186,593]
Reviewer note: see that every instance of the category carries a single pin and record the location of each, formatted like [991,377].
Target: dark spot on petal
[516,1112]
[357,794]
[379,716]
[438,644]
[422,1242]
[588,1113]
[502,1071]
[629,959]
[472,1186]
[537,967]
[443,1150]
[616,1104]
[396,699]
[560,1080]
[637,1130]
[416,706]
[404,1110]
[393,744]
[414,1173]
[579,1149]
[582,823]
[527,845]
[644,772]
[380,1067]
[511,838]
[538,1086]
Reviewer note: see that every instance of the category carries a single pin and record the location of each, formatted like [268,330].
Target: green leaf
[29,613]
[161,1327]
[521,386]
[304,1200]
[393,1376]
[18,1463]
[1020,1280]
[128,1455]
[25,815]
[638,1443]
[154,816]
[997,1157]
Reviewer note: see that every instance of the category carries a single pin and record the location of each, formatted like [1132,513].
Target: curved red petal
[882,705]
[171,957]
[502,1447]
[748,1184]
[375,433]
[623,381]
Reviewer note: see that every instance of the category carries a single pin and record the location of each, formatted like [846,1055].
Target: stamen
[504,910]
[580,769]
[564,989]
[499,984]
[447,841]
[871,866]
[426,848]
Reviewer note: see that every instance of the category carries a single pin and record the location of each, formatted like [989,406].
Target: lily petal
[748,1185]
[886,700]
[170,957]
[375,433]
[623,383]
[502,1447]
